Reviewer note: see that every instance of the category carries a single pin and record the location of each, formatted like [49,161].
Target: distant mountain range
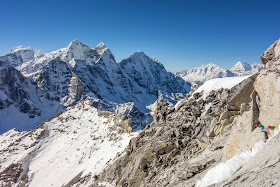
[207,72]
[35,85]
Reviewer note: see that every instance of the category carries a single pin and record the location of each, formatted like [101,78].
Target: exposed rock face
[272,53]
[177,149]
[151,73]
[10,175]
[262,170]
[241,137]
[268,86]
[58,83]
[184,142]
[15,90]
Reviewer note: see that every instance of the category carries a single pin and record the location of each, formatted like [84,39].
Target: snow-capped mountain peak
[66,76]
[24,53]
[77,50]
[139,57]
[101,48]
[211,71]
[241,67]
[76,42]
[139,53]
[18,48]
[206,72]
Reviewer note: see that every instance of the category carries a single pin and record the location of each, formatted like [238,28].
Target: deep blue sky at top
[181,34]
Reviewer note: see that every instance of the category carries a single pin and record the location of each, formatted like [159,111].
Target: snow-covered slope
[77,144]
[215,84]
[71,74]
[199,75]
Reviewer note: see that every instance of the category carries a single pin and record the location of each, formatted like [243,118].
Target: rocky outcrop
[11,174]
[268,86]
[184,142]
[57,82]
[272,53]
[262,170]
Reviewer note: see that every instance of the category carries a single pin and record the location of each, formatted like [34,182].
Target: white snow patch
[218,83]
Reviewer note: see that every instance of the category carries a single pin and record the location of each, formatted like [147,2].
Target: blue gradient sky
[181,34]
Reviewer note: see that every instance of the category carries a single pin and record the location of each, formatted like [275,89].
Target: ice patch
[226,170]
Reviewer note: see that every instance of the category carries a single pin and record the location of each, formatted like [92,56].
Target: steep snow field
[12,117]
[218,83]
[79,142]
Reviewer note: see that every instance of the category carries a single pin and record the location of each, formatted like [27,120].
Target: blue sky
[181,34]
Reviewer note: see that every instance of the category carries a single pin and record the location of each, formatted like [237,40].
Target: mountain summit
[64,77]
[200,75]
[100,48]
[222,134]
[241,67]
[205,72]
